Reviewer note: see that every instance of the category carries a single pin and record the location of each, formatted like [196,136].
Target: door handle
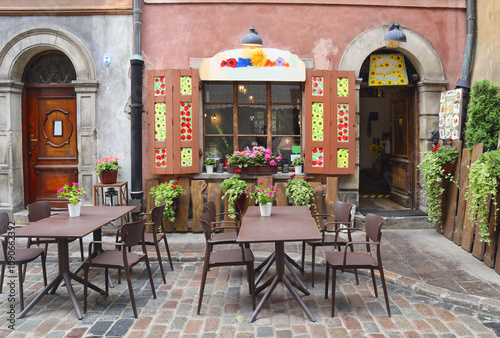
[32,140]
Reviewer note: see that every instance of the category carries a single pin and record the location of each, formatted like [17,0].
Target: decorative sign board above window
[450,114]
[387,70]
[253,64]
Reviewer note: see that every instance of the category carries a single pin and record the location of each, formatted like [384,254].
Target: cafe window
[238,115]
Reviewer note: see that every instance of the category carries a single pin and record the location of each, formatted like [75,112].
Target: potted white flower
[209,165]
[298,162]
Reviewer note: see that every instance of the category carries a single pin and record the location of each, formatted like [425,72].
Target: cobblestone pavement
[227,306]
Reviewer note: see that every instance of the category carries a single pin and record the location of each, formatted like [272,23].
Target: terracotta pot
[108,177]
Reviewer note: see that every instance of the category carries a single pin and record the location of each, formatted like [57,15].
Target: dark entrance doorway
[49,127]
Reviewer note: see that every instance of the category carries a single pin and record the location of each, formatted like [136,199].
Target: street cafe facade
[298,94]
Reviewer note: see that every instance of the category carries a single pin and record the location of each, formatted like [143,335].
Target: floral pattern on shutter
[160,156]
[317,122]
[185,124]
[343,101]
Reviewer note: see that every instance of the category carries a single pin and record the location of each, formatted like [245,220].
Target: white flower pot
[210,169]
[265,210]
[74,210]
[298,169]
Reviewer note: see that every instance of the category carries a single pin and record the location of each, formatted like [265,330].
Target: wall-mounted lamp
[205,115]
[214,117]
[241,88]
[250,98]
[394,36]
[252,39]
[252,117]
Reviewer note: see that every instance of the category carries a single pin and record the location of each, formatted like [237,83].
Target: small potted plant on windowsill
[433,170]
[167,192]
[298,162]
[234,189]
[209,165]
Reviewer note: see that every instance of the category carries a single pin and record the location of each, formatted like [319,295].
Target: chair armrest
[351,244]
[224,222]
[347,230]
[224,228]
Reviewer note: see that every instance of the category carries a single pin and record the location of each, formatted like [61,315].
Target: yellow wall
[487,57]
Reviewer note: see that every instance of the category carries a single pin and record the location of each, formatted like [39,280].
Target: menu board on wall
[450,114]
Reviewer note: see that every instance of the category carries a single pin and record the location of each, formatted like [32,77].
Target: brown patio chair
[329,224]
[359,260]
[132,234]
[20,258]
[159,234]
[38,211]
[222,235]
[232,257]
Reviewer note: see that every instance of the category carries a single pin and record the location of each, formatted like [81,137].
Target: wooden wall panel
[281,198]
[451,202]
[197,189]
[332,196]
[181,221]
[318,197]
[468,230]
[459,221]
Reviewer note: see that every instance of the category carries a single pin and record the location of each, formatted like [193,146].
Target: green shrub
[483,115]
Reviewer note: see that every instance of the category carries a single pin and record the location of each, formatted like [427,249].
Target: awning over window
[253,64]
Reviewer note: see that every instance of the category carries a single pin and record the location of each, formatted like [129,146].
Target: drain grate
[393,213]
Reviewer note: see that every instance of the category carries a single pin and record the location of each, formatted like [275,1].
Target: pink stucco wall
[174,33]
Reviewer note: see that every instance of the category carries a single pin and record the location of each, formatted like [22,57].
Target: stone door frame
[432,82]
[14,56]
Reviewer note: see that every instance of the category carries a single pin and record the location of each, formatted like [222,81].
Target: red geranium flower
[237,171]
[176,182]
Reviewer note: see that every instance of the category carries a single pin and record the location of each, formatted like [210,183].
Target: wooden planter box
[254,169]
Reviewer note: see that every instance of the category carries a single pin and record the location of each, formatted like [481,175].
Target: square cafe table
[62,227]
[286,224]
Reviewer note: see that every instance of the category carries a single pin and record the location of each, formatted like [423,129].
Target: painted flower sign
[259,64]
[387,70]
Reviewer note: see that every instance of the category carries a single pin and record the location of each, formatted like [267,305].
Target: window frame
[269,105]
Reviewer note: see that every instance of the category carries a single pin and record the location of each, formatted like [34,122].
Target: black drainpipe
[464,81]
[136,63]
[469,46]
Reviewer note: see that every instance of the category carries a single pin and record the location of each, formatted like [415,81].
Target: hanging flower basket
[449,168]
[108,177]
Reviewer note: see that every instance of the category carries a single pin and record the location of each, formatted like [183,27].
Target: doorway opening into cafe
[388,143]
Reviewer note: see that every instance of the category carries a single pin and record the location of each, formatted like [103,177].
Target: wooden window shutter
[329,122]
[343,119]
[160,152]
[317,122]
[186,121]
[173,121]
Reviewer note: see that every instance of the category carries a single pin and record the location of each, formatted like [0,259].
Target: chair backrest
[342,212]
[157,217]
[206,224]
[373,227]
[211,209]
[4,222]
[132,233]
[38,210]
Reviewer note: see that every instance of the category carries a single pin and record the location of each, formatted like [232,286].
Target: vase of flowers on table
[73,194]
[264,197]
[107,169]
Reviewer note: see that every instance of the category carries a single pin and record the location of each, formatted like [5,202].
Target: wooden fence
[456,224]
[196,192]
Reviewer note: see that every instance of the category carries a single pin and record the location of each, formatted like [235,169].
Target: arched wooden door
[49,128]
